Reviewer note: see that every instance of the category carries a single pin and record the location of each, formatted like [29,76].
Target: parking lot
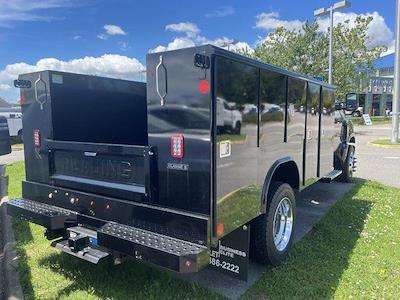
[377,163]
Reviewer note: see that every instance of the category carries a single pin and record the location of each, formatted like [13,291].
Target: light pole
[229,43]
[396,85]
[330,10]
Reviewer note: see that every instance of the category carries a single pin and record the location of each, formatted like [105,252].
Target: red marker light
[36,137]
[204,86]
[22,100]
[220,229]
[177,147]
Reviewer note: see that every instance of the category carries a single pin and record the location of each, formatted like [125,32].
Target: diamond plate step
[46,215]
[162,250]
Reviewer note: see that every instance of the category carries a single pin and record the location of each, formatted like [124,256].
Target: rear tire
[20,136]
[238,128]
[347,170]
[267,245]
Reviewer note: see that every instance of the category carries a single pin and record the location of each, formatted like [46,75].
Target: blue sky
[112,37]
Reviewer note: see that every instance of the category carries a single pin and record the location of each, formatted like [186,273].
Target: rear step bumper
[51,217]
[161,250]
[171,253]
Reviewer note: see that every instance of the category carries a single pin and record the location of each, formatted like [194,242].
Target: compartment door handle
[161,95]
[38,100]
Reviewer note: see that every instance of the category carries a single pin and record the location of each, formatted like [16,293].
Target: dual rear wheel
[272,233]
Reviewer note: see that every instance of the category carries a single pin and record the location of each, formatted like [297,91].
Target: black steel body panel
[112,170]
[186,110]
[280,115]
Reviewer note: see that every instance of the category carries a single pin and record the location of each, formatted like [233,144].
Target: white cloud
[220,12]
[177,43]
[102,36]
[123,46]
[76,37]
[185,42]
[12,11]
[186,27]
[4,87]
[378,31]
[109,65]
[271,21]
[114,30]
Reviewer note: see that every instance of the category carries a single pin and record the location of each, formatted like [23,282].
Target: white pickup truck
[228,118]
[14,120]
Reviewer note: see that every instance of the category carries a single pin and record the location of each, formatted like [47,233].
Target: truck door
[312,128]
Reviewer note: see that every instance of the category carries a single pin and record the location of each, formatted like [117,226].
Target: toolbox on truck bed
[195,168]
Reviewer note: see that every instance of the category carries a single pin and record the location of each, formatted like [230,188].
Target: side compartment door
[295,120]
[312,132]
[328,131]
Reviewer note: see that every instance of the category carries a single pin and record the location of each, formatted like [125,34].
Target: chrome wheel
[283,224]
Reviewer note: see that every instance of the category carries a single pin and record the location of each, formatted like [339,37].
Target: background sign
[367,119]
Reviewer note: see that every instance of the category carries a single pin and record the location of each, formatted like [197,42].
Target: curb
[372,144]
[9,259]
[12,286]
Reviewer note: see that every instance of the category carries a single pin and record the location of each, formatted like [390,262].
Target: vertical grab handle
[163,95]
[38,100]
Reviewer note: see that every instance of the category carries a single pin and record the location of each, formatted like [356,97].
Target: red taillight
[36,137]
[177,147]
[204,86]
[22,100]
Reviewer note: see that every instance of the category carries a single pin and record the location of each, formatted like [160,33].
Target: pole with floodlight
[330,10]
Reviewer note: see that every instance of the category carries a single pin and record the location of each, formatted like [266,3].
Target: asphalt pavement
[376,163]
[14,156]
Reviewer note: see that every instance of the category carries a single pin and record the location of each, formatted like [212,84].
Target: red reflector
[204,86]
[36,137]
[22,100]
[177,146]
[220,229]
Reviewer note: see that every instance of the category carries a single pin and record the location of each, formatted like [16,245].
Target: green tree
[306,51]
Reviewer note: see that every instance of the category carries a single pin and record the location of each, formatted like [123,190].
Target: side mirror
[339,106]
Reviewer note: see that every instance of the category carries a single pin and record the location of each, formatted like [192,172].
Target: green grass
[386,142]
[351,253]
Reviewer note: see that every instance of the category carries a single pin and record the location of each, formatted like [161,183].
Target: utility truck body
[116,168]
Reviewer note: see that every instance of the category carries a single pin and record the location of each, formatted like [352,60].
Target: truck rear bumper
[158,249]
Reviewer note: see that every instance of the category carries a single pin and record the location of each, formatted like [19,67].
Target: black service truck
[198,167]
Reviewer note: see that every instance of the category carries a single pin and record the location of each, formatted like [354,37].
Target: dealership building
[376,89]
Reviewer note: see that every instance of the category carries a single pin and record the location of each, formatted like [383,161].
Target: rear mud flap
[231,255]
